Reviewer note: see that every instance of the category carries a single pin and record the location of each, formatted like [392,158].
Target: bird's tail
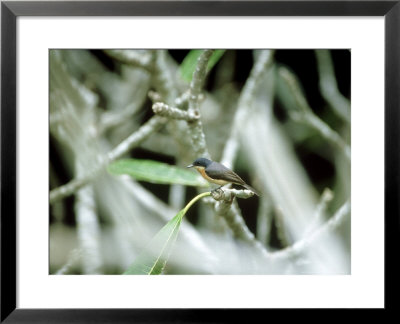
[250,188]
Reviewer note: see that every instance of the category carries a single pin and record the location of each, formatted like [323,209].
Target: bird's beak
[190,166]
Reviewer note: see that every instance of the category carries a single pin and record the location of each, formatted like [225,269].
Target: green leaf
[189,63]
[151,262]
[156,172]
[153,259]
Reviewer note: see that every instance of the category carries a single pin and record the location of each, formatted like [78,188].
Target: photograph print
[199,161]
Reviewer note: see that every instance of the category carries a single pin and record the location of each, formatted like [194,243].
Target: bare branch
[88,229]
[154,124]
[162,78]
[263,62]
[326,197]
[198,79]
[264,220]
[196,127]
[151,126]
[227,195]
[328,85]
[301,246]
[304,113]
[231,213]
[164,110]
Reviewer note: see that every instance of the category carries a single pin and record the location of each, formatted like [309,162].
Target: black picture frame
[390,10]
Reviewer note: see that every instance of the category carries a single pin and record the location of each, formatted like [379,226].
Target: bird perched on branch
[219,174]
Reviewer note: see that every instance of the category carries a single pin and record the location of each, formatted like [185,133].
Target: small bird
[217,173]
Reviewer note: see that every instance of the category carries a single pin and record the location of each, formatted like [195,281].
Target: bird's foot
[217,193]
[217,190]
[220,194]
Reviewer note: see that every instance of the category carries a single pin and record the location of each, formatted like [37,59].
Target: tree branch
[319,214]
[231,213]
[300,246]
[304,113]
[328,85]
[88,229]
[228,195]
[196,127]
[164,110]
[135,139]
[264,61]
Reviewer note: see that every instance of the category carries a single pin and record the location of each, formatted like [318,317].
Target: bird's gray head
[200,162]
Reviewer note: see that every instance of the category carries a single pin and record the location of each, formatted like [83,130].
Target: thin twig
[164,110]
[184,99]
[135,139]
[110,119]
[162,78]
[228,208]
[264,220]
[227,195]
[304,113]
[88,230]
[180,102]
[281,228]
[196,127]
[231,213]
[263,62]
[326,132]
[154,96]
[301,246]
[166,85]
[151,126]
[318,217]
[198,79]
[328,85]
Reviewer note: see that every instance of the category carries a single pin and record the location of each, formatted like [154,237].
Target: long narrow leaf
[156,172]
[153,259]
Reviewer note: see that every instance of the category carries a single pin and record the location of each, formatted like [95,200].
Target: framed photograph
[240,154]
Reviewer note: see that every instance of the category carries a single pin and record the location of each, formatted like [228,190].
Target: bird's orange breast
[203,173]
